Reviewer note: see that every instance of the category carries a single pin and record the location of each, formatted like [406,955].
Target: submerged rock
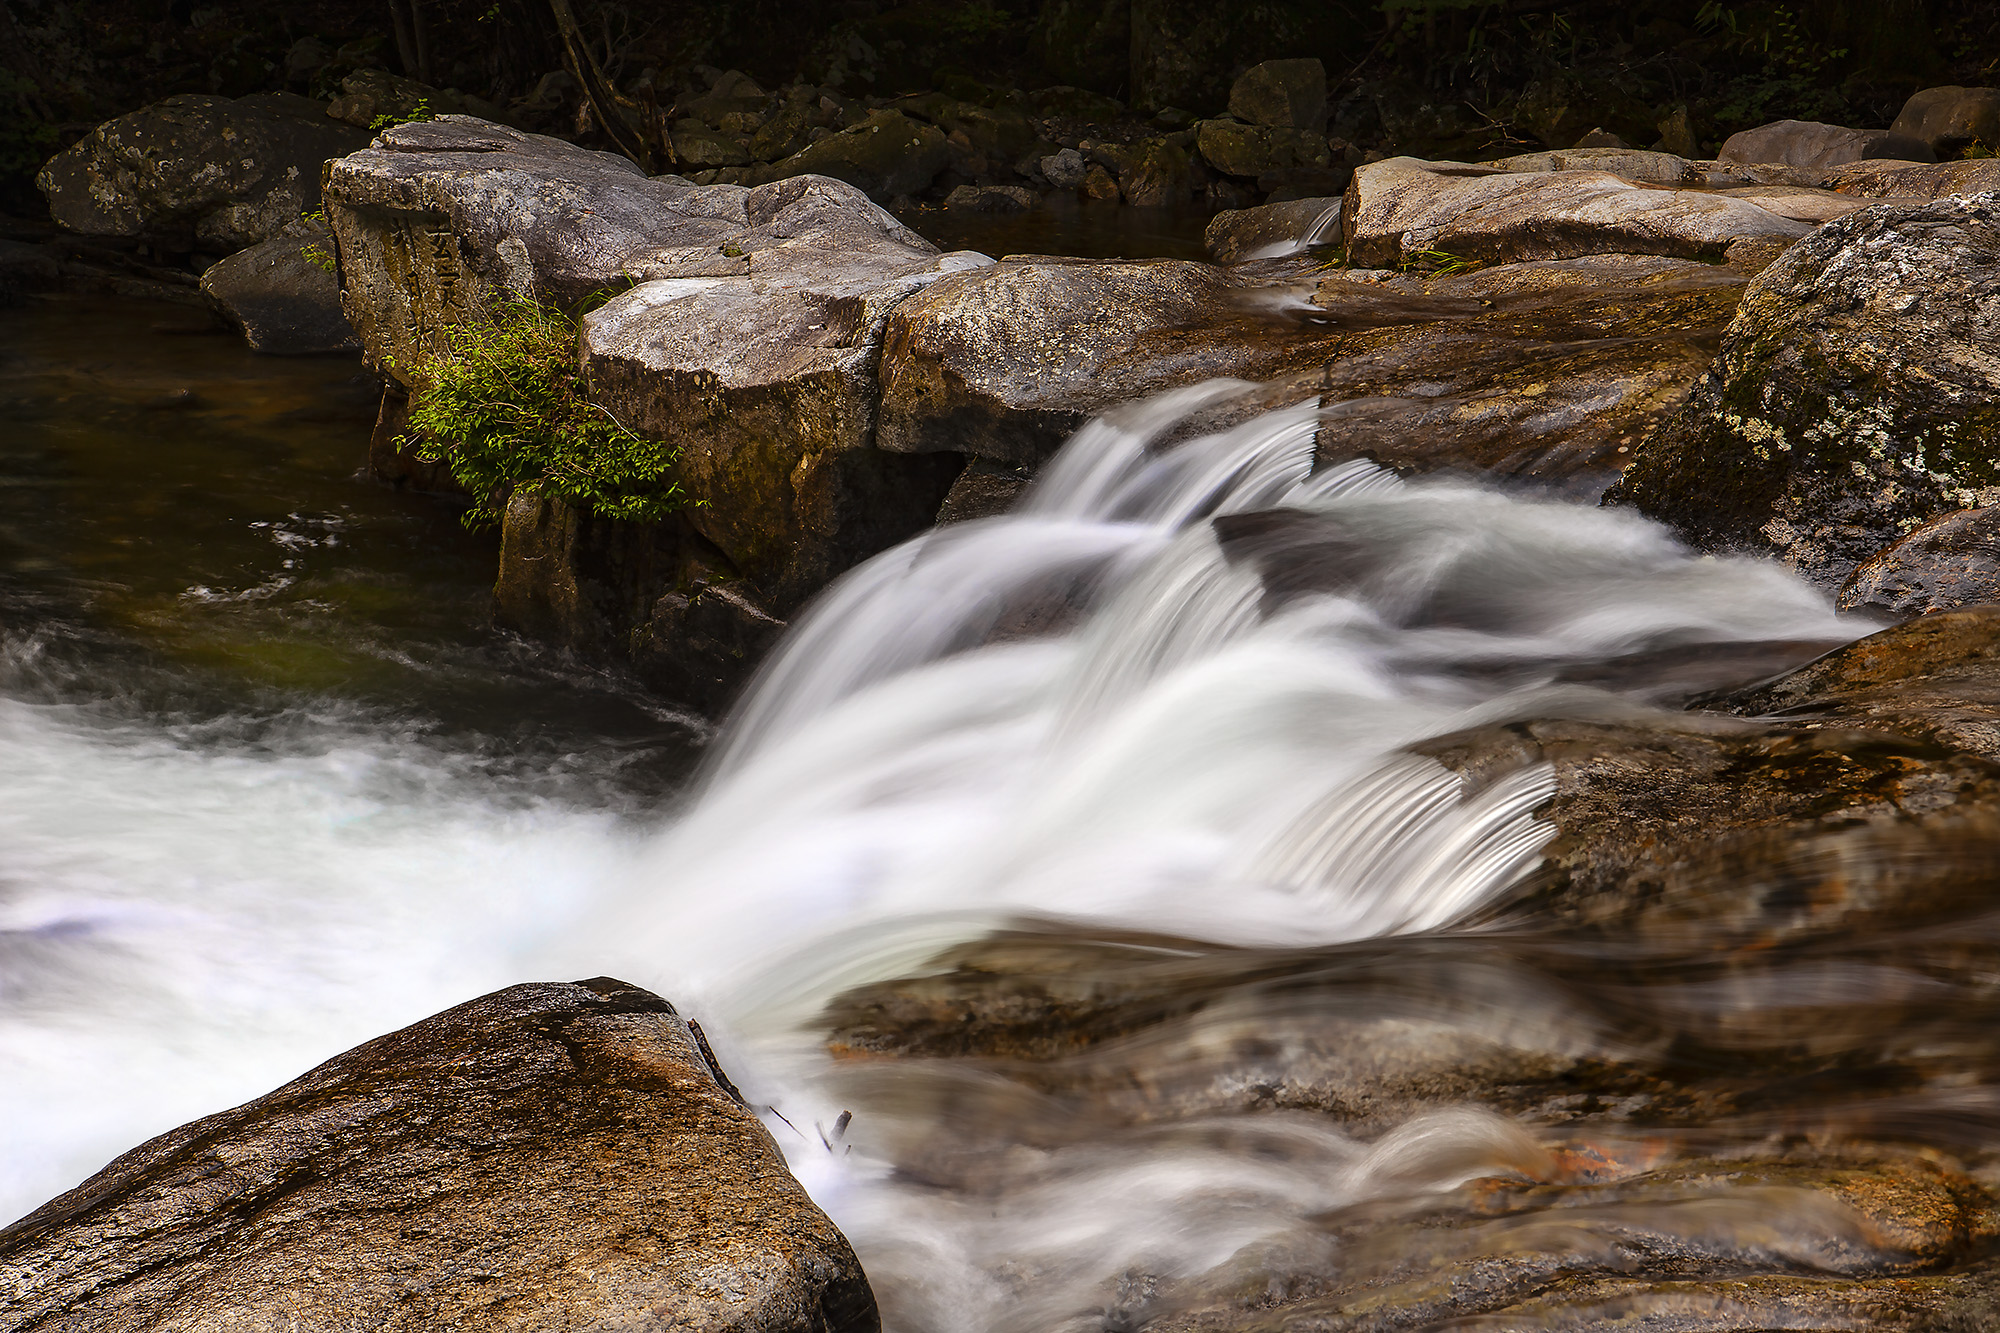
[1400,209]
[1856,395]
[548,1156]
[283,295]
[198,173]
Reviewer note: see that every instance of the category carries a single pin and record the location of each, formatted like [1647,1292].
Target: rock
[548,1156]
[750,336]
[733,93]
[367,95]
[1949,562]
[1004,362]
[1811,143]
[990,199]
[1632,164]
[1677,133]
[1286,94]
[1065,170]
[1856,395]
[885,155]
[1599,137]
[26,268]
[1154,173]
[1401,207]
[283,297]
[1100,184]
[195,172]
[698,146]
[984,489]
[1951,119]
[1798,202]
[1273,230]
[1902,180]
[1236,149]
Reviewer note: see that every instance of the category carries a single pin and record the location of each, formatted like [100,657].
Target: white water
[1080,712]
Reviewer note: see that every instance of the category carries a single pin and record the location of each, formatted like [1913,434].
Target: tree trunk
[603,104]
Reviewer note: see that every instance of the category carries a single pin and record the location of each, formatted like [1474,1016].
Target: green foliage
[506,407]
[421,111]
[1438,263]
[315,253]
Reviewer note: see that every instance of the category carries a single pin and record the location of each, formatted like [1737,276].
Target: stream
[272,785]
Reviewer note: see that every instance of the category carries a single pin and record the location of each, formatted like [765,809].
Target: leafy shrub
[507,408]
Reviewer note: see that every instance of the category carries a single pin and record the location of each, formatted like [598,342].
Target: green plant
[421,111]
[315,252]
[506,407]
[1437,263]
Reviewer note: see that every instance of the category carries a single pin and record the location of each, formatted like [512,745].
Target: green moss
[506,407]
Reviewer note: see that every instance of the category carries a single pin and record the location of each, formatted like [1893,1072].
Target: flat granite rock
[550,1156]
[1402,208]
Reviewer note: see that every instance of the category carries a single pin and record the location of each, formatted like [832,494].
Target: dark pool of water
[182,528]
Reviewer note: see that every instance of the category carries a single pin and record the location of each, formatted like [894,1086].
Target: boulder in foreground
[550,1156]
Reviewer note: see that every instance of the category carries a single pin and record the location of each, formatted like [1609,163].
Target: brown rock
[1951,561]
[1811,144]
[1951,118]
[548,1156]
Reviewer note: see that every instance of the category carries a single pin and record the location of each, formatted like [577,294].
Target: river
[272,785]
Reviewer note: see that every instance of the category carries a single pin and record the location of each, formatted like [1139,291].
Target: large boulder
[1632,164]
[1811,143]
[1399,209]
[1236,149]
[1857,394]
[1287,94]
[198,173]
[1004,362]
[747,333]
[1951,119]
[548,1156]
[283,295]
[1949,562]
[885,155]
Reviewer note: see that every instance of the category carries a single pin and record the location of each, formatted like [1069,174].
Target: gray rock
[196,172]
[1811,143]
[1065,170]
[1856,395]
[990,199]
[1949,562]
[549,1156]
[698,146]
[1403,207]
[749,335]
[1951,118]
[1272,230]
[886,155]
[285,300]
[1289,94]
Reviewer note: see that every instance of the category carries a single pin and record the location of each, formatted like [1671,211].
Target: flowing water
[268,786]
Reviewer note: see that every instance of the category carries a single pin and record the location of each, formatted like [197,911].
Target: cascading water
[1122,708]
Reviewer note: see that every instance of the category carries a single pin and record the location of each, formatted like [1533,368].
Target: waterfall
[1171,695]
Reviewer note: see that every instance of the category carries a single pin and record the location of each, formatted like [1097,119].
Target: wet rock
[1286,94]
[983,489]
[1401,208]
[195,172]
[698,646]
[551,1155]
[1100,184]
[1236,149]
[1951,119]
[1951,561]
[1855,396]
[1811,143]
[1004,362]
[990,199]
[283,294]
[886,155]
[1273,230]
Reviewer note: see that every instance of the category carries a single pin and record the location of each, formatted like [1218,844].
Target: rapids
[1106,716]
